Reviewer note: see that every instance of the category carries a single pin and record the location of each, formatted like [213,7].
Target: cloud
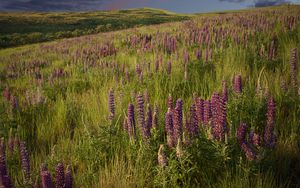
[260,3]
[51,5]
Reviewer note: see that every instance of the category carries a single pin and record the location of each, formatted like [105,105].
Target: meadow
[213,101]
[19,28]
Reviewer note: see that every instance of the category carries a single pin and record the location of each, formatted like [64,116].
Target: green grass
[102,155]
[24,28]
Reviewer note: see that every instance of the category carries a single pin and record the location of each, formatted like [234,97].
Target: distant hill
[23,28]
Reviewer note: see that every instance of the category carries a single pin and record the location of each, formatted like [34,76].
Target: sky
[180,6]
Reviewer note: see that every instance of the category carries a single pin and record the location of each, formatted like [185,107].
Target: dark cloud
[51,5]
[265,3]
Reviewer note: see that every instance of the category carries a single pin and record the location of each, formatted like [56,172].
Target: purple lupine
[237,84]
[140,111]
[25,161]
[155,117]
[250,152]
[224,91]
[193,124]
[131,121]
[207,113]
[170,102]
[14,102]
[255,139]
[46,179]
[68,178]
[219,115]
[269,139]
[200,109]
[3,167]
[177,120]
[169,128]
[241,132]
[161,157]
[198,54]
[6,182]
[111,104]
[148,123]
[60,175]
[293,67]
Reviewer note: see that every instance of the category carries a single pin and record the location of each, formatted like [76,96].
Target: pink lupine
[177,120]
[68,178]
[200,109]
[269,136]
[293,68]
[250,152]
[46,180]
[237,84]
[60,175]
[141,114]
[111,104]
[131,121]
[25,161]
[169,128]
[155,117]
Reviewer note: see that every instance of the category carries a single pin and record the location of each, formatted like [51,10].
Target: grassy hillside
[209,102]
[24,28]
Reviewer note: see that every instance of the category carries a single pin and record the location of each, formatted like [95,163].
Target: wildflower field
[212,101]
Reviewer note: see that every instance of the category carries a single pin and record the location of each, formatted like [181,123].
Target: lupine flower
[224,92]
[68,178]
[241,132]
[293,67]
[177,120]
[269,138]
[60,175]
[141,115]
[46,179]
[198,54]
[250,152]
[170,102]
[155,117]
[179,149]
[200,109]
[255,139]
[193,124]
[14,102]
[131,121]
[6,181]
[237,84]
[169,128]
[111,104]
[148,123]
[25,162]
[3,167]
[207,112]
[162,158]
[219,116]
